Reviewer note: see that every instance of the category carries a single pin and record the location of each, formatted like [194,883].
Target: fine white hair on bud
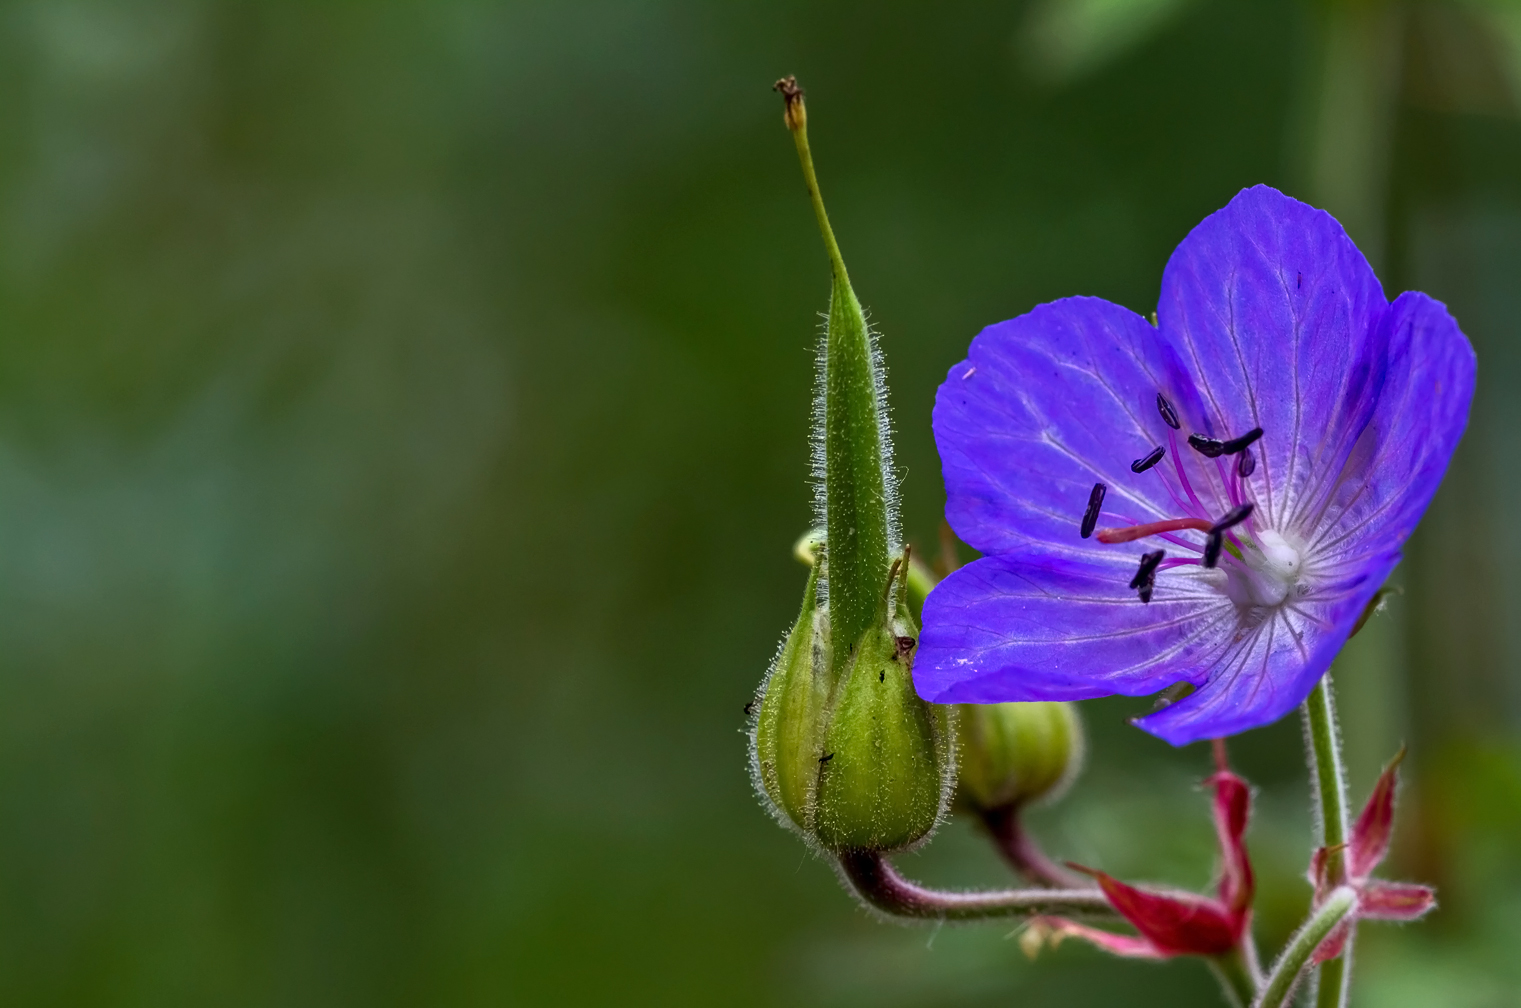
[816,439]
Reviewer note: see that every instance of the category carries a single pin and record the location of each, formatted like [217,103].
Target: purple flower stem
[1022,851]
[873,878]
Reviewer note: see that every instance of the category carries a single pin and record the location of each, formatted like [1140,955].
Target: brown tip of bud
[792,95]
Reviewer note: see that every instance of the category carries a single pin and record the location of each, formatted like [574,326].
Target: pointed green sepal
[787,738]
[852,461]
[888,763]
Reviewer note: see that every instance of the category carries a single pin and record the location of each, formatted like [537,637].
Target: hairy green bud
[1016,753]
[885,774]
[842,747]
[854,761]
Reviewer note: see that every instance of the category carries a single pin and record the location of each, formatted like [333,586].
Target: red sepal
[1129,946]
[1232,809]
[1179,923]
[1396,901]
[1334,943]
[1370,836]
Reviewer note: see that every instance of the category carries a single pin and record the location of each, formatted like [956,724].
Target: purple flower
[1213,500]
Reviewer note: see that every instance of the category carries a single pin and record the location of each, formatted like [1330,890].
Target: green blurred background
[403,436]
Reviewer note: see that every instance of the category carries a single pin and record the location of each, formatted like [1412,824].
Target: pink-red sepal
[1129,946]
[1395,901]
[1334,942]
[1376,900]
[1392,901]
[1232,808]
[1183,923]
[1370,836]
[1177,923]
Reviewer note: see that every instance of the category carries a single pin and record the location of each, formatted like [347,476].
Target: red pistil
[1133,532]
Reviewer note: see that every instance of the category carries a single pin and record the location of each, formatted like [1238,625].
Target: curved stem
[1280,984]
[878,883]
[1330,780]
[1022,851]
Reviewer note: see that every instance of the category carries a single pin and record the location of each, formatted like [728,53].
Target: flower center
[1268,571]
[1255,567]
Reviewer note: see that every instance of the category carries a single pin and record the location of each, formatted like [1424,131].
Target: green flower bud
[844,749]
[856,762]
[787,737]
[885,775]
[1016,753]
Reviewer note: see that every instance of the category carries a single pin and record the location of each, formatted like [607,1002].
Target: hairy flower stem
[874,879]
[1334,986]
[1022,852]
[1239,974]
[1330,780]
[1279,987]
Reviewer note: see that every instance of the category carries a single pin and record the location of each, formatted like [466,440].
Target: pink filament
[1133,532]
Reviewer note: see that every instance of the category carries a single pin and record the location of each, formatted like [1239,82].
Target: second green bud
[1017,753]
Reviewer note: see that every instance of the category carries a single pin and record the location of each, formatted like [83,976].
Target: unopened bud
[1015,753]
[885,773]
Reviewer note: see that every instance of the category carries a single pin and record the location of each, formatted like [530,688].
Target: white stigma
[1272,569]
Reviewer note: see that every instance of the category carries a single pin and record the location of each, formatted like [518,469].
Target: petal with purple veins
[1045,406]
[1062,625]
[1277,315]
[1422,410]
[1271,667]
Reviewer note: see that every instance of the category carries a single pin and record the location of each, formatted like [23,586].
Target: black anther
[1247,464]
[1212,548]
[1241,443]
[1148,568]
[1140,465]
[1169,415]
[1235,517]
[1207,446]
[1095,503]
[1146,578]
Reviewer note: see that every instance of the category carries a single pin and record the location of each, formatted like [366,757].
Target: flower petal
[1232,809]
[1271,667]
[1177,923]
[1278,317]
[1045,406]
[1129,946]
[1370,835]
[1056,625]
[1396,901]
[1400,458]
